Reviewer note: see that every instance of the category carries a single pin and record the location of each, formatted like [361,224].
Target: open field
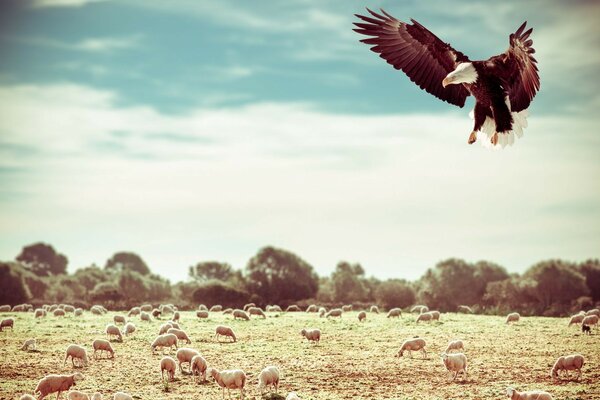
[353,361]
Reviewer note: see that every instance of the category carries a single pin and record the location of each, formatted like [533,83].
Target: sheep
[216,308]
[181,335]
[164,328]
[103,345]
[593,311]
[435,315]
[414,344]
[268,377]
[76,352]
[312,308]
[456,363]
[25,396]
[241,315]
[362,316]
[222,330]
[374,309]
[202,307]
[274,308]
[52,308]
[7,323]
[146,307]
[134,311]
[230,379]
[198,366]
[78,312]
[292,396]
[228,311]
[56,383]
[59,313]
[167,340]
[19,308]
[590,320]
[144,316]
[420,309]
[122,396]
[576,319]
[256,311]
[465,309]
[176,316]
[39,313]
[455,345]
[394,312]
[168,364]
[69,309]
[185,355]
[347,308]
[566,364]
[96,396]
[202,314]
[166,309]
[293,308]
[322,312]
[336,312]
[96,311]
[113,330]
[128,328]
[5,308]
[29,344]
[529,395]
[174,324]
[312,335]
[77,395]
[248,305]
[586,329]
[156,313]
[119,319]
[513,317]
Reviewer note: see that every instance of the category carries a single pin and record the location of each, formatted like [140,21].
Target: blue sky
[192,130]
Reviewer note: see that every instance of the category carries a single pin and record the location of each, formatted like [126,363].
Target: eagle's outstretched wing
[423,57]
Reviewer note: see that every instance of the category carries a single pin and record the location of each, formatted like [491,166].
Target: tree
[106,292]
[276,275]
[449,285]
[207,270]
[127,261]
[395,293]
[557,282]
[590,269]
[13,289]
[349,282]
[217,292]
[43,260]
[132,286]
[90,276]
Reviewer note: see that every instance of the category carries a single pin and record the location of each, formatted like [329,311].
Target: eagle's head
[464,73]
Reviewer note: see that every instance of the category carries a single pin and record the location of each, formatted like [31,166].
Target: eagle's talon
[472,137]
[495,138]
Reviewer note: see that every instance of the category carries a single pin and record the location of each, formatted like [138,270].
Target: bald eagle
[503,85]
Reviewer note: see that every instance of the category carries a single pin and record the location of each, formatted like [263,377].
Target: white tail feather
[484,135]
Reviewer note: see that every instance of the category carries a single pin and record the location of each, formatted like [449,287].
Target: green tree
[557,282]
[395,293]
[590,269]
[208,270]
[349,282]
[449,285]
[123,260]
[43,260]
[132,285]
[90,276]
[217,292]
[13,289]
[106,292]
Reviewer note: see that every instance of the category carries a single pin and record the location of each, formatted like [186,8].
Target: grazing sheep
[512,317]
[185,355]
[59,312]
[122,396]
[336,312]
[247,306]
[39,313]
[19,308]
[95,310]
[362,316]
[394,312]
[199,366]
[134,311]
[424,317]
[77,395]
[414,344]
[6,308]
[128,328]
[590,320]
[293,308]
[103,345]
[222,330]
[7,323]
[311,308]
[166,309]
[176,316]
[374,309]
[29,344]
[168,364]
[455,345]
[292,396]
[113,330]
[96,396]
[69,309]
[146,307]
[312,335]
[268,377]
[420,309]
[465,309]
[256,311]
[76,352]
[230,379]
[576,319]
[322,312]
[347,308]
[435,315]
[529,395]
[456,363]
[78,312]
[156,313]
[144,316]
[25,396]
[202,314]
[228,311]
[586,329]
[174,324]
[274,308]
[181,335]
[241,314]
[566,364]
[164,328]
[167,340]
[119,319]
[202,307]
[216,308]
[593,311]
[56,383]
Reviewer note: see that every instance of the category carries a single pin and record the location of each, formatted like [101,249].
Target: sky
[188,131]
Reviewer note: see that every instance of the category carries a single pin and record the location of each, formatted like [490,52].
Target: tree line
[277,276]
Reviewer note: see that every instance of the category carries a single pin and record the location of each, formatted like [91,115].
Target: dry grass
[353,361]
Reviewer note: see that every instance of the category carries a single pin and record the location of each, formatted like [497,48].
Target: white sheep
[202,307]
[146,307]
[362,316]
[29,344]
[144,316]
[426,316]
[69,309]
[128,328]
[96,311]
[56,383]
[593,311]
[174,324]
[374,309]
[222,330]
[164,328]
[168,364]
[590,320]
[166,309]
[77,395]
[229,379]
[455,345]
[39,313]
[292,396]
[176,316]
[322,312]
[456,363]
[566,364]
[336,312]
[25,396]
[216,308]
[414,344]
[228,311]
[119,319]
[199,366]
[419,308]
[435,315]
[7,323]
[347,308]
[256,311]
[241,314]
[78,312]
[113,330]
[312,308]
[96,396]
[6,308]
[268,377]
[293,308]
[274,308]
[76,352]
[312,335]
[576,319]
[59,312]
[465,309]
[248,305]
[394,312]
[122,396]
[512,317]
[134,311]
[529,395]
[103,345]
[181,335]
[167,340]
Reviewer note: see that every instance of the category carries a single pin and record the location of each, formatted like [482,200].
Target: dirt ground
[353,360]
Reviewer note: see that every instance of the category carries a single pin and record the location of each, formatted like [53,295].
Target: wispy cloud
[63,3]
[93,45]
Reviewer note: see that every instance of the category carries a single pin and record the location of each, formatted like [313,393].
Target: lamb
[241,314]
[181,335]
[199,366]
[293,308]
[77,395]
[414,344]
[122,396]
[268,377]
[362,316]
[529,395]
[465,309]
[593,311]
[455,345]
[222,330]
[7,323]
[202,314]
[374,309]
[336,312]
[256,311]
[103,345]
[39,313]
[134,311]
[322,312]
[590,320]
[230,379]
[456,363]
[512,317]
[216,308]
[113,330]
[394,312]
[76,352]
[128,328]
[144,316]
[424,317]
[164,328]
[29,344]
[566,364]
[119,319]
[185,355]
[586,329]
[347,308]
[56,383]
[312,308]
[167,340]
[312,335]
[156,313]
[168,364]
[59,313]
[420,309]
[78,312]
[576,319]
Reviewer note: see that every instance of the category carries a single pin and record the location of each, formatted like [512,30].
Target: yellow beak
[447,81]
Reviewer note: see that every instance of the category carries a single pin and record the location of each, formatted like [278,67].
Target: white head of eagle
[464,73]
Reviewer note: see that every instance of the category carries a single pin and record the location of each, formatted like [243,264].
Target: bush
[215,292]
[13,289]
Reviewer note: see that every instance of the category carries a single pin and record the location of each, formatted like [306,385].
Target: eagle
[503,85]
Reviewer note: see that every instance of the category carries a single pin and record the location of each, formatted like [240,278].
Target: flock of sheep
[170,334]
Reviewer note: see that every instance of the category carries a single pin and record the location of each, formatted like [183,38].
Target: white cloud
[93,45]
[63,3]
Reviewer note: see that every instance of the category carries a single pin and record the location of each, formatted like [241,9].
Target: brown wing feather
[522,72]
[412,48]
